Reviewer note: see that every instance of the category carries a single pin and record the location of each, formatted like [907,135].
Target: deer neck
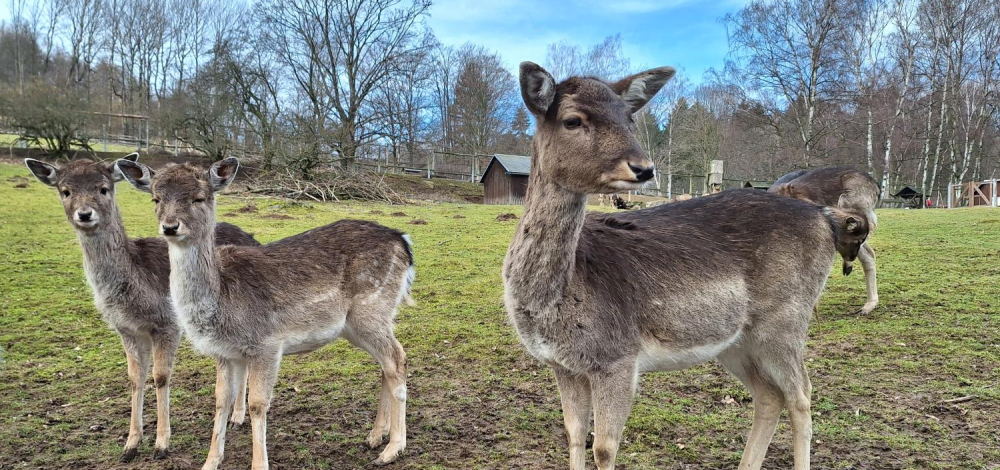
[194,279]
[542,255]
[106,261]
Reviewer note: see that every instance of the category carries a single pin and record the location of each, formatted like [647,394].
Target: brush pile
[325,185]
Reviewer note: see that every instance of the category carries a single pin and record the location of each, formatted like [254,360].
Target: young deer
[129,278]
[248,306]
[848,189]
[604,297]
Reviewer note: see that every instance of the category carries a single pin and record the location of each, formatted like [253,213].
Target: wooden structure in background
[505,180]
[974,194]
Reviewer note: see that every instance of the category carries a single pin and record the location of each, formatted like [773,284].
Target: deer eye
[65,193]
[572,123]
[104,191]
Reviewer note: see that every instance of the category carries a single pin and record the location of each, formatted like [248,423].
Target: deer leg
[798,401]
[867,258]
[612,391]
[574,392]
[262,375]
[227,373]
[240,406]
[377,338]
[137,355]
[164,351]
[767,405]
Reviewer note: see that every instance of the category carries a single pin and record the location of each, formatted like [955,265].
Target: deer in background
[602,298]
[249,306]
[129,279]
[851,190]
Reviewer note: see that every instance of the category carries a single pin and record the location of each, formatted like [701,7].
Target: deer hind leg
[867,258]
[767,405]
[137,355]
[783,367]
[263,374]
[228,372]
[612,391]
[377,338]
[574,392]
[240,406]
[164,351]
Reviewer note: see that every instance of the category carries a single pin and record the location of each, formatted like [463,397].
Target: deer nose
[84,216]
[170,229]
[642,173]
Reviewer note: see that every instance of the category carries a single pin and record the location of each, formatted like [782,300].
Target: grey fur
[129,280]
[604,297]
[249,306]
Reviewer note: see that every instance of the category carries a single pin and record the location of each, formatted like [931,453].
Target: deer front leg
[867,258]
[240,408]
[263,373]
[612,391]
[164,351]
[227,373]
[574,391]
[137,356]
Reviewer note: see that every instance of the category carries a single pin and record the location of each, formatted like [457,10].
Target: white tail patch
[411,275]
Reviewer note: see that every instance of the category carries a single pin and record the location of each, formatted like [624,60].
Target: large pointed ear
[222,173]
[117,175]
[638,89]
[538,88]
[45,173]
[137,174]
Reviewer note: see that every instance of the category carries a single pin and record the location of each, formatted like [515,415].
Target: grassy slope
[476,399]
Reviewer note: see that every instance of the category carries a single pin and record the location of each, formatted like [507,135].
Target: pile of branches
[326,185]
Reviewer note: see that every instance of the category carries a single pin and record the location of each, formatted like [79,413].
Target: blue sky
[686,34]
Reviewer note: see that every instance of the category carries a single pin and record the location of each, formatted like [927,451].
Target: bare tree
[485,100]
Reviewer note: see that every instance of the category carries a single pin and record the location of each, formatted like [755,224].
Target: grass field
[7,139]
[476,400]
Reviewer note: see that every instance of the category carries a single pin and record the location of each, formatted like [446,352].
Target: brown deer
[851,190]
[249,306]
[603,298]
[129,278]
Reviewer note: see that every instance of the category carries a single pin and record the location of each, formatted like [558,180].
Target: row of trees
[905,88]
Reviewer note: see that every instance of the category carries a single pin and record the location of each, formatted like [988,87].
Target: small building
[761,185]
[505,180]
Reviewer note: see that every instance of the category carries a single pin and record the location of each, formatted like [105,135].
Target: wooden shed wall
[501,188]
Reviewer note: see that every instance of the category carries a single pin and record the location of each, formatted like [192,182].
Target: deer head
[584,139]
[86,188]
[184,195]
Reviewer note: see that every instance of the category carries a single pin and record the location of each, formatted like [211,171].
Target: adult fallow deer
[848,189]
[604,297]
[129,278]
[249,306]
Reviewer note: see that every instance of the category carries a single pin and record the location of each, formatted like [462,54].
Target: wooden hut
[505,180]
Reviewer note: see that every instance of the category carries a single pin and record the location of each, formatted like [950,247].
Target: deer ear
[222,173]
[137,174]
[45,173]
[852,225]
[638,89]
[132,157]
[538,88]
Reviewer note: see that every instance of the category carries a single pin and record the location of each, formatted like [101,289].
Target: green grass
[98,146]
[476,399]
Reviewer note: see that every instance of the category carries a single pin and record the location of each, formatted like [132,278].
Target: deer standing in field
[249,306]
[851,190]
[129,279]
[602,298]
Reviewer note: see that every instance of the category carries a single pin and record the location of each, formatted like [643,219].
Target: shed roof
[907,192]
[512,164]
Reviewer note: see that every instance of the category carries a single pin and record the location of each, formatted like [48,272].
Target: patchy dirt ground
[911,386]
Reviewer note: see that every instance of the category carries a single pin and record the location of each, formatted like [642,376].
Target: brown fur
[604,297]
[248,306]
[854,193]
[130,280]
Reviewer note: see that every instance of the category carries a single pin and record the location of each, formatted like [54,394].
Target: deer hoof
[160,454]
[129,455]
